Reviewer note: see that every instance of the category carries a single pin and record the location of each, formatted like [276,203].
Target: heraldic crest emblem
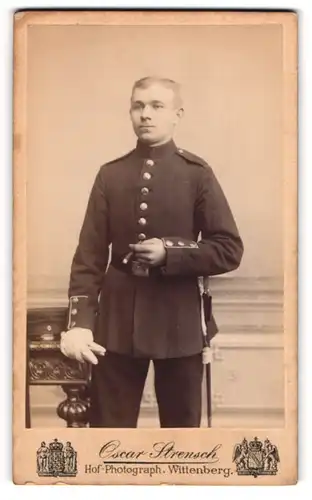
[255,458]
[56,460]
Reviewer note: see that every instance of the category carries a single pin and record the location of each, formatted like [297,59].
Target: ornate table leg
[75,408]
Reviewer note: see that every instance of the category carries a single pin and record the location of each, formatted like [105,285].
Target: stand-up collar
[156,152]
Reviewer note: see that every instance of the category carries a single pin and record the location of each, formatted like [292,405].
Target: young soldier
[168,222]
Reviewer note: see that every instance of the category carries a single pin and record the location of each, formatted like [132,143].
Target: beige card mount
[73,73]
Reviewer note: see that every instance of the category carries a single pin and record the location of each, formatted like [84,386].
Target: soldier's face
[154,113]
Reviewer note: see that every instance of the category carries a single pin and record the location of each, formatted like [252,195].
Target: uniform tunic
[152,192]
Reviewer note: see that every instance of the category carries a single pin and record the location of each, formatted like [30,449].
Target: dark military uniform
[152,192]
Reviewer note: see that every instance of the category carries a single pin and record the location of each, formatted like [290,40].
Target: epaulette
[191,157]
[119,158]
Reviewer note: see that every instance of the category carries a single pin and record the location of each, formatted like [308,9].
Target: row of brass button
[144,191]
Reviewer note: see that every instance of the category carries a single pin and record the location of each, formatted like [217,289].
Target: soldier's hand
[151,252]
[78,344]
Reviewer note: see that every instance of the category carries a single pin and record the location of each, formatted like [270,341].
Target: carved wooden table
[46,365]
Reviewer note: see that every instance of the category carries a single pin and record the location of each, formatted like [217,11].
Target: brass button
[144,190]
[49,328]
[142,236]
[142,221]
[150,163]
[74,312]
[143,206]
[75,299]
[169,243]
[147,176]
[180,243]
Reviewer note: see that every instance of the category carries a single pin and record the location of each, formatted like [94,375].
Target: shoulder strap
[119,158]
[190,157]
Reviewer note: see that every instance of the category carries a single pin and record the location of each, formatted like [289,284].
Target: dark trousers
[118,382]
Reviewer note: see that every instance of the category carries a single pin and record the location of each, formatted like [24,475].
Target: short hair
[147,81]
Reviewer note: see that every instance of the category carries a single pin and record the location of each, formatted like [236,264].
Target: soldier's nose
[145,114]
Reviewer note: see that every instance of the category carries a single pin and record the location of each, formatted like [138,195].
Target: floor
[47,418]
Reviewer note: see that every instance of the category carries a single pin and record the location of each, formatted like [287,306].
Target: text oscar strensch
[169,224]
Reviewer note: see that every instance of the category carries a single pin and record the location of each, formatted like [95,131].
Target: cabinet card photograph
[155,247]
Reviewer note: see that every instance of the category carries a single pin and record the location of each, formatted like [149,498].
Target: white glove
[78,344]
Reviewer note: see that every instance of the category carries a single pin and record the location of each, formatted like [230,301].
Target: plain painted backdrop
[79,85]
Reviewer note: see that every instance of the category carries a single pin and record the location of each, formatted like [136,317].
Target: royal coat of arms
[256,458]
[56,460]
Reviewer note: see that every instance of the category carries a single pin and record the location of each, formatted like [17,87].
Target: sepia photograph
[157,232]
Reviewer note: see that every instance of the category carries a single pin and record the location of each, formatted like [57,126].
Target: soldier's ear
[180,114]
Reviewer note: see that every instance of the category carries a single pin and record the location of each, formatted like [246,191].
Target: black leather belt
[133,267]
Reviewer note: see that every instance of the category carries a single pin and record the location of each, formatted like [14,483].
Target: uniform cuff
[80,314]
[176,249]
